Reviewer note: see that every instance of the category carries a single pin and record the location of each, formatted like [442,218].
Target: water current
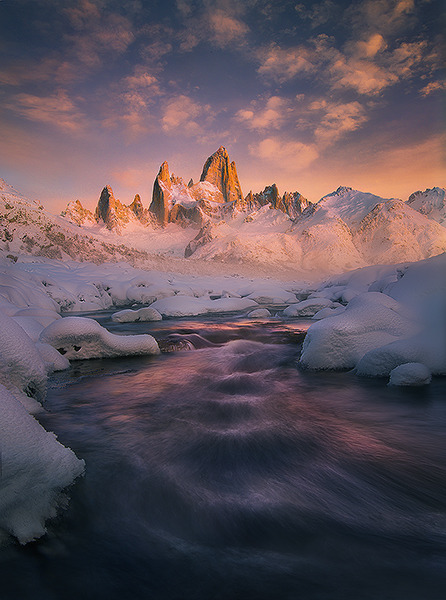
[227,473]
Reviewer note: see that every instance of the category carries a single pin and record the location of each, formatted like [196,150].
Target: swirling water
[226,473]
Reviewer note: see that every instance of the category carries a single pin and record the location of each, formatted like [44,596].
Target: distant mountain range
[211,220]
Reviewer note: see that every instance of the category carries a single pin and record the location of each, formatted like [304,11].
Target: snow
[378,331]
[35,468]
[80,338]
[431,203]
[410,374]
[183,306]
[307,308]
[21,365]
[259,313]
[369,321]
[131,316]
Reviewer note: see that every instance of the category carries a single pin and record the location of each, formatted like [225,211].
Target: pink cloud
[57,110]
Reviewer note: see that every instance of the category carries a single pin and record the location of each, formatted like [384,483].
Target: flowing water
[227,473]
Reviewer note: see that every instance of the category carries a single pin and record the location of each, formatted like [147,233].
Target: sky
[307,95]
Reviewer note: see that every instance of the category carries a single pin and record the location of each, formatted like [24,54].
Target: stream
[226,472]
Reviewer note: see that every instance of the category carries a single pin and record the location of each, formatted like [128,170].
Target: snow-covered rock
[184,306]
[431,203]
[410,374]
[131,316]
[308,308]
[80,338]
[369,321]
[35,468]
[21,365]
[259,313]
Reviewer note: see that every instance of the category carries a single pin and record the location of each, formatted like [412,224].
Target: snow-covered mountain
[27,228]
[431,202]
[210,222]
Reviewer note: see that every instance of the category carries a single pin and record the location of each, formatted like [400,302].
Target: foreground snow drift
[35,467]
[78,338]
[394,323]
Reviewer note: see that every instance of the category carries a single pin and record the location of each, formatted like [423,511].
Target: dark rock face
[106,208]
[291,203]
[204,236]
[223,174]
[184,217]
[159,206]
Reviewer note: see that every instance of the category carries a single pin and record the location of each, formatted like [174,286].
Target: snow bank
[21,365]
[369,321]
[414,374]
[259,313]
[35,467]
[80,338]
[183,306]
[381,331]
[308,308]
[131,316]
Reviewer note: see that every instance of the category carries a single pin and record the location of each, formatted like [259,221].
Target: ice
[131,316]
[410,374]
[80,338]
[35,467]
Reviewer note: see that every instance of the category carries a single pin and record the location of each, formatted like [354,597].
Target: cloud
[225,28]
[369,48]
[270,116]
[181,116]
[57,110]
[98,32]
[433,86]
[388,17]
[285,155]
[319,13]
[284,64]
[336,119]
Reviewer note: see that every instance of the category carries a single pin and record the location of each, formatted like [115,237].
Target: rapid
[226,472]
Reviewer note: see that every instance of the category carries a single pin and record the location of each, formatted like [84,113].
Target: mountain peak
[223,174]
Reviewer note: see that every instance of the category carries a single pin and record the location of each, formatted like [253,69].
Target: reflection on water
[226,473]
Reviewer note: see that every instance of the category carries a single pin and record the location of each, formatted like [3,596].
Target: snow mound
[35,468]
[413,374]
[259,313]
[369,321]
[307,308]
[21,365]
[185,306]
[80,338]
[131,316]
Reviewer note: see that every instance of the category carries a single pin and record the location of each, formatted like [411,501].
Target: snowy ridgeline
[386,321]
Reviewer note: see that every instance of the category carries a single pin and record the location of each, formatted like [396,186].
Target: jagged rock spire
[106,208]
[223,174]
[159,206]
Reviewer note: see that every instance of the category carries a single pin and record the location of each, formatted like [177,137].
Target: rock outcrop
[77,214]
[223,174]
[291,203]
[159,206]
[110,211]
[431,203]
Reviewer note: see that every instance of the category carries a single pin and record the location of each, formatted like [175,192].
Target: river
[227,473]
